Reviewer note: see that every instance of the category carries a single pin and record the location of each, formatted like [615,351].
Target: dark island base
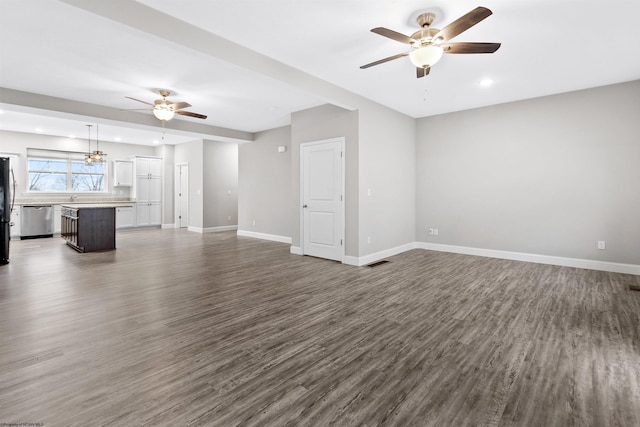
[89,229]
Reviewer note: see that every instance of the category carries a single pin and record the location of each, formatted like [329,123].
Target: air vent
[375,264]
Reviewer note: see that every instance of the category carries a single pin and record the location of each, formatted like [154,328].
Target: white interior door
[182,196]
[322,178]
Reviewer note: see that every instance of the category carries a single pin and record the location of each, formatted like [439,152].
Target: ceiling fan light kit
[428,44]
[426,56]
[164,110]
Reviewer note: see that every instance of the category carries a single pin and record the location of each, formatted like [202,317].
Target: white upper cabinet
[148,166]
[122,173]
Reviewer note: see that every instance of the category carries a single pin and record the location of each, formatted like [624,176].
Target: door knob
[304,206]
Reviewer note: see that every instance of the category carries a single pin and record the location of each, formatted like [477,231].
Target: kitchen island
[89,227]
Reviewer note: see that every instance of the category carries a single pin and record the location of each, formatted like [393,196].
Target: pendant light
[97,156]
[88,158]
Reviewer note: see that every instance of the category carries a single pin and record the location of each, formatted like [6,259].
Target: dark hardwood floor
[176,328]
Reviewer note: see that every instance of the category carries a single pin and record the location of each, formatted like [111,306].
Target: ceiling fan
[428,44]
[164,109]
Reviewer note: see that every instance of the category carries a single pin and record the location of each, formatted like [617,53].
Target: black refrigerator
[5,209]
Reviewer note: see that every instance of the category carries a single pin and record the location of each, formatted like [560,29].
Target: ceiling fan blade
[421,72]
[179,105]
[470,47]
[144,102]
[382,61]
[463,23]
[393,35]
[190,114]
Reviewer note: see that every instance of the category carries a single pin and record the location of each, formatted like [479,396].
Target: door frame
[341,144]
[176,192]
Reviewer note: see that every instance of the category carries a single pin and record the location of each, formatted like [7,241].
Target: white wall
[17,142]
[191,153]
[264,192]
[547,176]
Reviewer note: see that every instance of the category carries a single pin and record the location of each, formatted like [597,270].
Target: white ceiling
[94,55]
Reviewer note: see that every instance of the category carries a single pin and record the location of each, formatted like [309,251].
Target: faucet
[74,197]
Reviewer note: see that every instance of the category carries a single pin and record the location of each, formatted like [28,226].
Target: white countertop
[43,202]
[97,205]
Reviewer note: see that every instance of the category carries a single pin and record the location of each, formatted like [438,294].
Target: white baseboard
[377,256]
[265,236]
[168,226]
[212,229]
[612,267]
[540,259]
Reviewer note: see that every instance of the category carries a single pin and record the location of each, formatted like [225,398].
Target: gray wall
[213,171]
[547,176]
[387,169]
[324,122]
[264,192]
[220,184]
[379,155]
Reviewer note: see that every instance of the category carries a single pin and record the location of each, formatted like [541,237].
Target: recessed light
[486,82]
[72,136]
[38,130]
[117,139]
[155,141]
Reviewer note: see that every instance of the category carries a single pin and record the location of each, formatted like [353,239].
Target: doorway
[322,198]
[182,195]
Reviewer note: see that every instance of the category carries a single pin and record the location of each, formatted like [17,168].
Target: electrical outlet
[369,240]
[601,245]
[435,232]
[254,222]
[430,231]
[229,218]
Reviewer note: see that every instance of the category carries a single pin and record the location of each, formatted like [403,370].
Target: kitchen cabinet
[151,166]
[15,223]
[89,228]
[148,190]
[57,224]
[122,173]
[125,217]
[148,213]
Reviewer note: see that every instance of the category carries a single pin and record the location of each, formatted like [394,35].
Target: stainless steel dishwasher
[37,221]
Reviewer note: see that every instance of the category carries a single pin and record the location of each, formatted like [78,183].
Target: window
[64,172]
